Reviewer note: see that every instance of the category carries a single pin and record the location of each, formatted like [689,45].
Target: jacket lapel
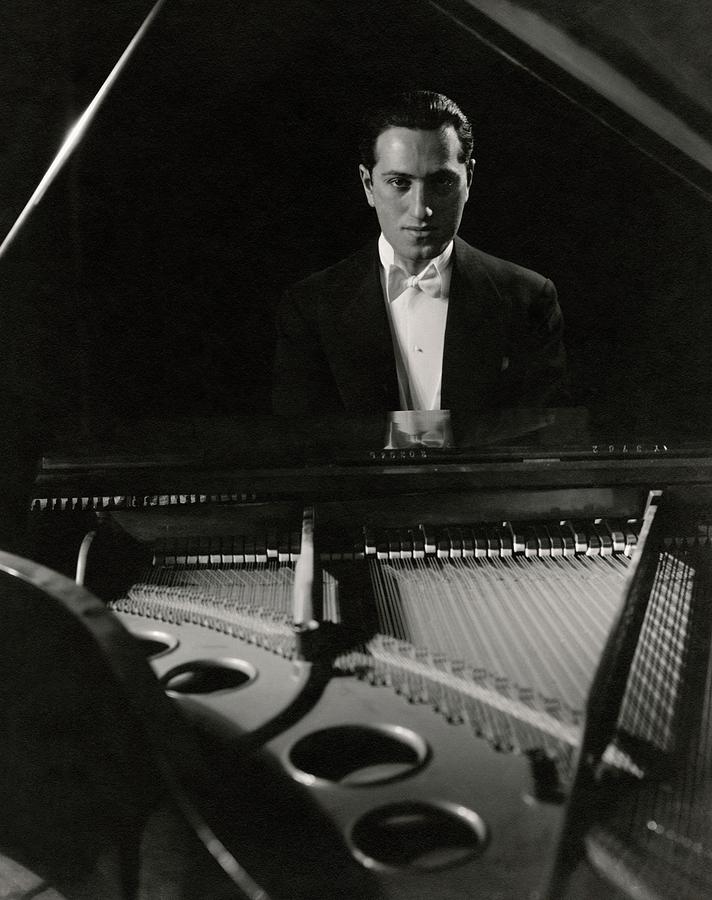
[474,334]
[363,362]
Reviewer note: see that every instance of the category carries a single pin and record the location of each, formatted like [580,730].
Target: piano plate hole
[208,676]
[356,755]
[155,643]
[418,836]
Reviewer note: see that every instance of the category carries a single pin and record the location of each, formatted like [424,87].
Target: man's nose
[419,202]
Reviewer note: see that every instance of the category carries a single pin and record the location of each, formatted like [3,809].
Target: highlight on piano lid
[414,654]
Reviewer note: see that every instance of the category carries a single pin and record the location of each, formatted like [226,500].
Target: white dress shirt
[417,320]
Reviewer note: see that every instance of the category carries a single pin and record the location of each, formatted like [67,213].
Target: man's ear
[470,172]
[367,182]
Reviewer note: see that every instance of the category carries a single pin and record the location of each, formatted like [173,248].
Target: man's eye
[443,179]
[399,182]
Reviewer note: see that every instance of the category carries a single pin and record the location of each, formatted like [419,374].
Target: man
[419,319]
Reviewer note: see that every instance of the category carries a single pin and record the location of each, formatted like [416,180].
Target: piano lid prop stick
[303,596]
[79,128]
[82,557]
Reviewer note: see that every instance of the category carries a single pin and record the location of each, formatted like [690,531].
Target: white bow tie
[428,281]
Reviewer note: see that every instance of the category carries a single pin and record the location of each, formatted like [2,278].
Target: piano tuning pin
[459,708]
[397,679]
[415,688]
[457,668]
[479,675]
[526,696]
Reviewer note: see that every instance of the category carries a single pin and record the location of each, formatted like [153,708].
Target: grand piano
[469,661]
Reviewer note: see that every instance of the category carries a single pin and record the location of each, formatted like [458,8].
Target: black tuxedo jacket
[503,339]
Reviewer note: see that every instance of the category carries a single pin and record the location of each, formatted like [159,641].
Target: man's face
[418,189]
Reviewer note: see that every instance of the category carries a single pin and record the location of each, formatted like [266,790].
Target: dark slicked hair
[425,110]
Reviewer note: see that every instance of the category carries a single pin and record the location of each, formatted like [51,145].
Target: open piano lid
[643,69]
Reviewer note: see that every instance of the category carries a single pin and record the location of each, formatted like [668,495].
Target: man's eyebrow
[444,169]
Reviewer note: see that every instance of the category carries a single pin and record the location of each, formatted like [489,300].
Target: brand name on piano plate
[629,448]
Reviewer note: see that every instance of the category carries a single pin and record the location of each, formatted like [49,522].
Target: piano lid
[643,69]
[225,155]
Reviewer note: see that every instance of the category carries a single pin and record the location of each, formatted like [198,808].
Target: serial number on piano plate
[409,453]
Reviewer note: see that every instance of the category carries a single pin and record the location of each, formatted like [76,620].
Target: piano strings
[508,645]
[251,602]
[656,833]
[505,639]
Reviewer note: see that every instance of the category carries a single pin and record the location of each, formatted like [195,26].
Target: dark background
[223,166]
